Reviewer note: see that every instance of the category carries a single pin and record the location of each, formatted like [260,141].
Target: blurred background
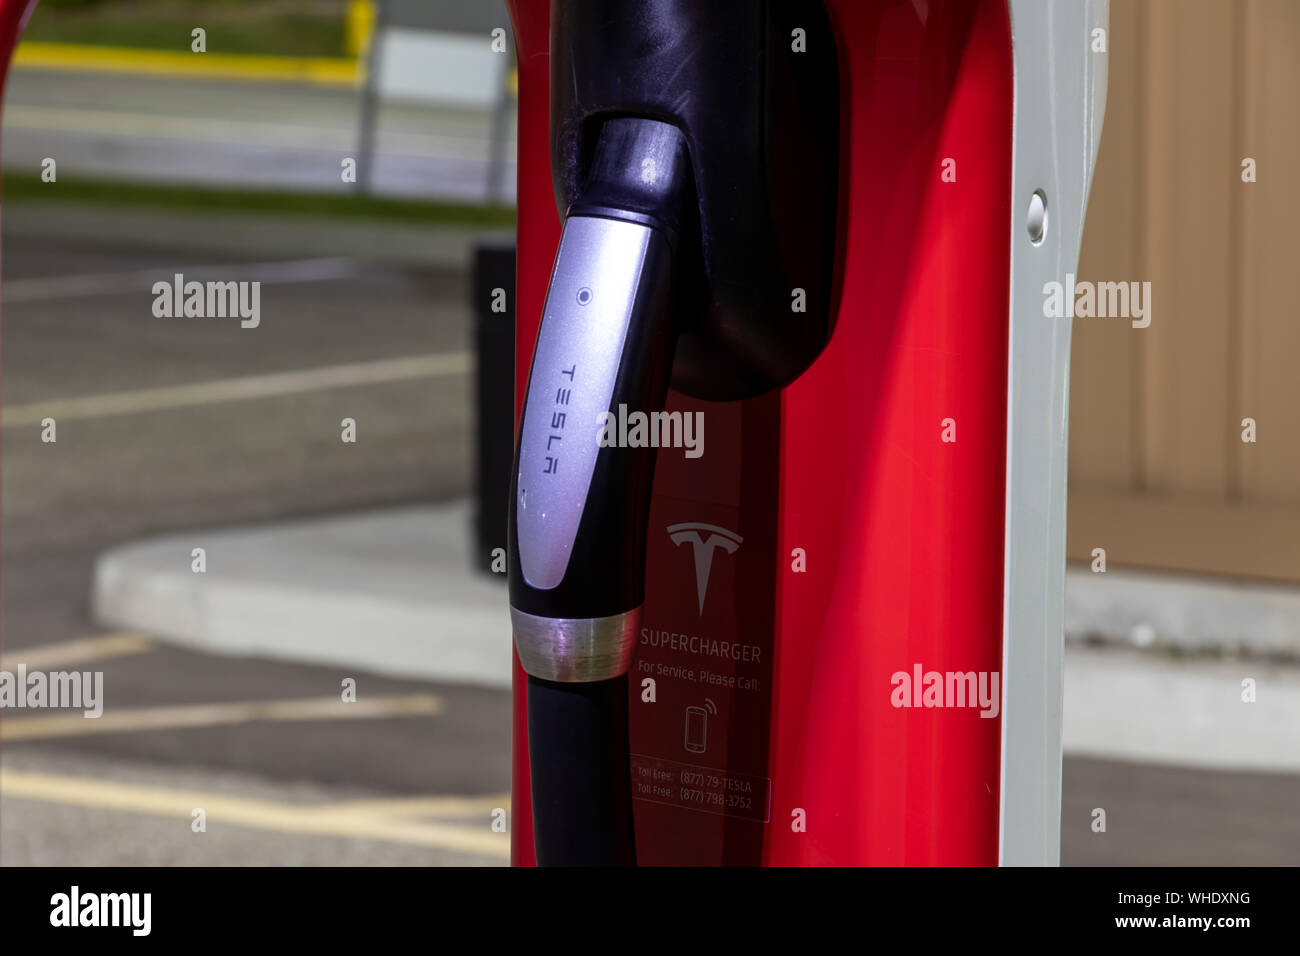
[358,159]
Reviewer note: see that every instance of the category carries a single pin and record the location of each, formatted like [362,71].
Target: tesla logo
[703,538]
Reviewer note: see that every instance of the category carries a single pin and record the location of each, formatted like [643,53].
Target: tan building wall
[1159,474]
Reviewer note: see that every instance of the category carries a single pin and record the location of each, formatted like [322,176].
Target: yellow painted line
[321,71]
[135,719]
[315,819]
[447,807]
[75,652]
[246,388]
[359,24]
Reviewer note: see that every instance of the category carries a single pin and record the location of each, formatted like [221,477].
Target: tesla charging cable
[579,508]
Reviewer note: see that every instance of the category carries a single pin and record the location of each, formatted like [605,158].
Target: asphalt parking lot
[441,752]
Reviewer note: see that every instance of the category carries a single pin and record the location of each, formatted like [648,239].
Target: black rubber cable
[581,773]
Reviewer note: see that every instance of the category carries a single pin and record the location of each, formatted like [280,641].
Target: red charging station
[897,509]
[846,646]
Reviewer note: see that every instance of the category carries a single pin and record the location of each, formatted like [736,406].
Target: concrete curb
[1183,613]
[1125,704]
[404,572]
[391,592]
[388,592]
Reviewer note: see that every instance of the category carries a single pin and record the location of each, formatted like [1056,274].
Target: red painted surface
[539,237]
[902,533]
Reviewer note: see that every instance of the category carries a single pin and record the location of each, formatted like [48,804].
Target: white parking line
[137,719]
[326,820]
[437,365]
[141,280]
[75,652]
[228,131]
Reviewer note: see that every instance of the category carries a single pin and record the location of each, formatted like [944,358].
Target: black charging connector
[579,505]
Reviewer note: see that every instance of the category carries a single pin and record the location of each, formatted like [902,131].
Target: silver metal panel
[1060,97]
[579,347]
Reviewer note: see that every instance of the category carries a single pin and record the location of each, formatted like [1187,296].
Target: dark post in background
[494,343]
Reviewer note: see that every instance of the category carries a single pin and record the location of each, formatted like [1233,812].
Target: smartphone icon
[697,730]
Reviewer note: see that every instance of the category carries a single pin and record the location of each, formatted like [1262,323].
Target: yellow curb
[320,71]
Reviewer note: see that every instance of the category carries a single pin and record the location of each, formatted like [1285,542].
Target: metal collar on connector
[575,650]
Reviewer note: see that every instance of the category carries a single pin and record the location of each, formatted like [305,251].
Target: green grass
[269,27]
[18,189]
